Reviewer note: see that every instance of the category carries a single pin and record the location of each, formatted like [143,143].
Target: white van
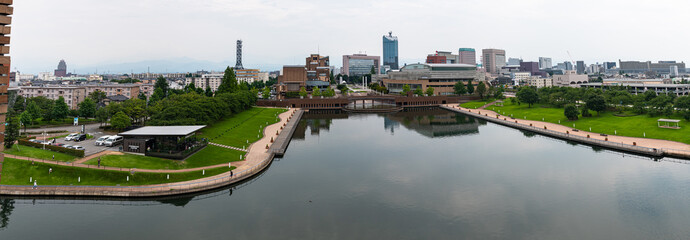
[113,140]
[101,140]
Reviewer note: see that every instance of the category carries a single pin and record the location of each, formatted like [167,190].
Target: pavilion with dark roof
[172,142]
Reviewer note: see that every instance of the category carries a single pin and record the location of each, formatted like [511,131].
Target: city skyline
[278,33]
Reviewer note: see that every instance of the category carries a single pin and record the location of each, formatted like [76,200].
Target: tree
[430,91]
[571,112]
[120,121]
[87,108]
[61,109]
[25,119]
[316,92]
[229,83]
[481,90]
[329,92]
[406,89]
[97,96]
[208,92]
[157,95]
[418,91]
[142,96]
[372,71]
[527,95]
[303,92]
[596,102]
[102,115]
[266,94]
[460,88]
[162,84]
[470,87]
[34,110]
[12,128]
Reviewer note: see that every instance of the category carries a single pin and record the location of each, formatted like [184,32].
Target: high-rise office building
[581,67]
[609,65]
[5,21]
[468,56]
[493,60]
[360,64]
[390,51]
[61,70]
[545,63]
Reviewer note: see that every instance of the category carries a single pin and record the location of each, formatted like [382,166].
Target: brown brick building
[6,11]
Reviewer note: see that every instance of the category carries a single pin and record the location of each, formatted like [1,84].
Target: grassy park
[607,122]
[476,104]
[26,151]
[18,172]
[247,125]
[209,156]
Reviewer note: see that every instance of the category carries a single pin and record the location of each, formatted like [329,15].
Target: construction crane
[571,58]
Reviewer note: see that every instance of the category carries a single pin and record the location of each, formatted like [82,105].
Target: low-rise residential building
[540,82]
[72,95]
[210,80]
[247,75]
[442,77]
[127,90]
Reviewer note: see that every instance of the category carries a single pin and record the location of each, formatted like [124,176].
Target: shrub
[73,152]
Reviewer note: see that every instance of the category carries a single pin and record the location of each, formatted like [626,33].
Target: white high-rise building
[674,71]
[545,63]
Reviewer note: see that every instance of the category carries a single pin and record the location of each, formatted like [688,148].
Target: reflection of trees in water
[528,134]
[7,205]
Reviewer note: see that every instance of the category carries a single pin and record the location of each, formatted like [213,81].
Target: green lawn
[476,104]
[236,130]
[209,156]
[18,172]
[633,126]
[26,151]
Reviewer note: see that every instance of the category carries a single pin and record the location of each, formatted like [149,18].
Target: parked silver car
[71,136]
[101,140]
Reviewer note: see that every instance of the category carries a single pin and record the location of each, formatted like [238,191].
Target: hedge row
[73,152]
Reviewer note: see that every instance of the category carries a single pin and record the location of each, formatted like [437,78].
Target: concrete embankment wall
[507,121]
[278,147]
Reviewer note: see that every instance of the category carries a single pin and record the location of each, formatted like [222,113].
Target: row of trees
[582,100]
[482,90]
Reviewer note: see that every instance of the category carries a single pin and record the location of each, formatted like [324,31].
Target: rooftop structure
[163,131]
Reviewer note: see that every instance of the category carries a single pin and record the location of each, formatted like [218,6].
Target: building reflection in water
[430,122]
[433,122]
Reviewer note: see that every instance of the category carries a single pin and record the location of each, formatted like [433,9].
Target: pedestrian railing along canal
[511,122]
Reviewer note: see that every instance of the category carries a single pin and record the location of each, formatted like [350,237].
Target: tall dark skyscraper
[580,67]
[61,70]
[390,51]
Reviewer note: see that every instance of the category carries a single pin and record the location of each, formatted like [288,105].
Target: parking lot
[89,144]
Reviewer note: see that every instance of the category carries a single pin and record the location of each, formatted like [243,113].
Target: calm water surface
[413,175]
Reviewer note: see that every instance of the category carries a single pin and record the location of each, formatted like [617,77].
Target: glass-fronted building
[390,51]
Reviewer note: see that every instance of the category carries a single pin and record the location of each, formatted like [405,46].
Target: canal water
[422,174]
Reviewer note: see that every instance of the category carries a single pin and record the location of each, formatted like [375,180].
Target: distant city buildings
[661,67]
[514,61]
[61,70]
[390,51]
[545,63]
[493,60]
[467,56]
[570,79]
[360,64]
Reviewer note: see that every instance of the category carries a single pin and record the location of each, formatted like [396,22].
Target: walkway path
[256,159]
[642,142]
[228,147]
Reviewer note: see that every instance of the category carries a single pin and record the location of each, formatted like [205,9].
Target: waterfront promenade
[646,146]
[258,157]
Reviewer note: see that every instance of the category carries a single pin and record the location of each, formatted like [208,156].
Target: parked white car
[101,140]
[71,136]
[78,148]
[114,140]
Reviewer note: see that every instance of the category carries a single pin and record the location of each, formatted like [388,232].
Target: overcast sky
[97,33]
